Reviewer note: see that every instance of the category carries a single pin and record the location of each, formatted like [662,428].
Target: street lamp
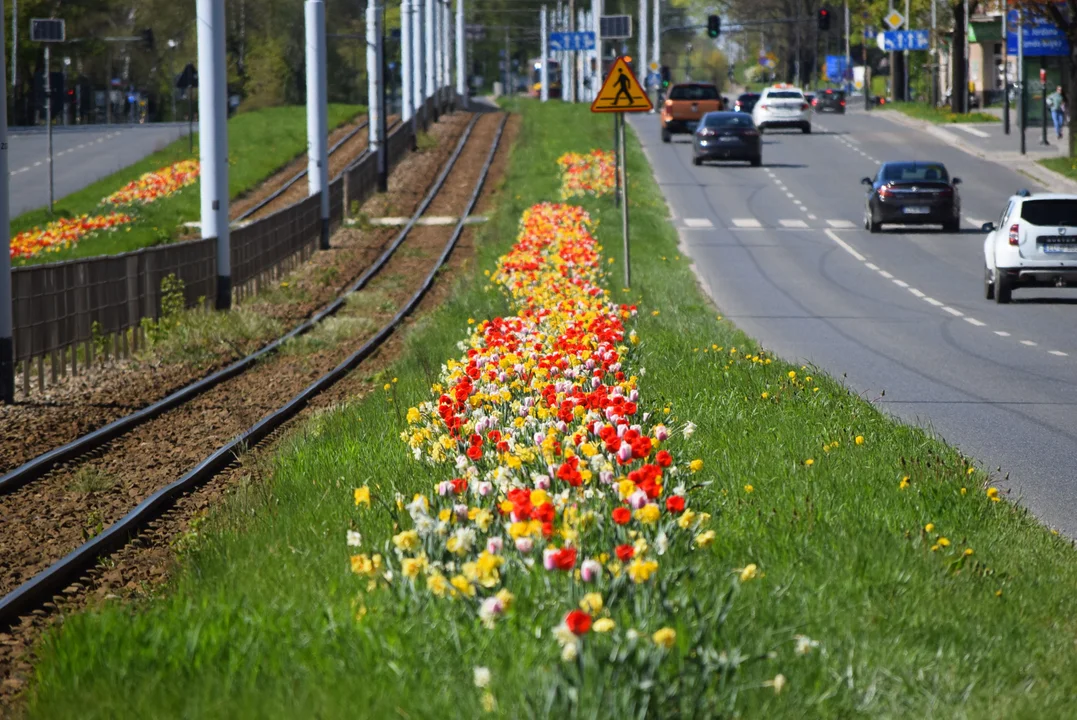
[172,74]
[63,100]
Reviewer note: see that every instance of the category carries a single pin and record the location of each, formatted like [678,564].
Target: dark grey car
[727,136]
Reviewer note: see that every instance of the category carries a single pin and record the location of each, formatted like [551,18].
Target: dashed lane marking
[1029,343]
[974,321]
[900,283]
[799,224]
[845,246]
[953,311]
[840,224]
[698,223]
[1002,333]
[933,301]
[871,266]
[885,274]
[1059,353]
[917,293]
[746,223]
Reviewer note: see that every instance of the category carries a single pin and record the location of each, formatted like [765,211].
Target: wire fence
[69,315]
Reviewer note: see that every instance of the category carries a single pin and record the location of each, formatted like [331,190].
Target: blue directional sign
[561,41]
[1042,38]
[835,67]
[906,40]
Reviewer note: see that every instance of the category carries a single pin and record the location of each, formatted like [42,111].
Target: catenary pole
[213,141]
[383,116]
[1005,73]
[417,74]
[461,56]
[317,112]
[544,70]
[372,95]
[596,76]
[1022,110]
[430,48]
[7,343]
[848,54]
[406,87]
[644,65]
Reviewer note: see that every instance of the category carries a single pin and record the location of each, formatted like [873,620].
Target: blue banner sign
[836,68]
[562,41]
[906,40]
[1042,38]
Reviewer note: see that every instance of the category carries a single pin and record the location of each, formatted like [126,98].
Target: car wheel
[807,129]
[1003,287]
[666,136]
[952,227]
[869,222]
[757,161]
[762,129]
[989,284]
[697,161]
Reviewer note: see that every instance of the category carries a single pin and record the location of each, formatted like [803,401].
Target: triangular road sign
[621,92]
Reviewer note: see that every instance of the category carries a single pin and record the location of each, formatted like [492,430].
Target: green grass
[259,144]
[1063,165]
[261,619]
[925,111]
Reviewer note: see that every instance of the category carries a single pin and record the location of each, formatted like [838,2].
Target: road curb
[1031,169]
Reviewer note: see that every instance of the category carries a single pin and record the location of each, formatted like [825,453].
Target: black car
[727,136]
[745,102]
[830,101]
[912,193]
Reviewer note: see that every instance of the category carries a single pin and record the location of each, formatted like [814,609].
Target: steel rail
[42,464]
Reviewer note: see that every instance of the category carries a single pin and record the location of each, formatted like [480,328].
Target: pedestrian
[1057,104]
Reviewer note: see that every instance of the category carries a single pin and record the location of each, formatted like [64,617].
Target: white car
[1033,245]
[782,106]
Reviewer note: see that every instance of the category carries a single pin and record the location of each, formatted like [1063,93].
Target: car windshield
[915,172]
[731,120]
[1050,212]
[694,92]
[785,95]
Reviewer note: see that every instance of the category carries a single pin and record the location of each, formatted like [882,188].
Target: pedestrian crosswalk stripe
[698,223]
[840,224]
[793,223]
[746,223]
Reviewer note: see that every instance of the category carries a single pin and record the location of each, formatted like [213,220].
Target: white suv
[782,106]
[1033,245]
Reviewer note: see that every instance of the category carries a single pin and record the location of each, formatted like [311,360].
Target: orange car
[685,104]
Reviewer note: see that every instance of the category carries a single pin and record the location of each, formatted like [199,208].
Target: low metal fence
[71,314]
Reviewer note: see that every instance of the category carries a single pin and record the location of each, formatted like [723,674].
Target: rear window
[694,92]
[731,120]
[1050,212]
[748,96]
[785,95]
[836,94]
[922,172]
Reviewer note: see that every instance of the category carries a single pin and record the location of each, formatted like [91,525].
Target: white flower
[354,539]
[661,543]
[482,677]
[805,644]
[689,429]
[569,652]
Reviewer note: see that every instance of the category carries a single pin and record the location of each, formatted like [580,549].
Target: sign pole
[1043,98]
[544,71]
[48,120]
[1005,74]
[7,343]
[624,202]
[1022,110]
[616,162]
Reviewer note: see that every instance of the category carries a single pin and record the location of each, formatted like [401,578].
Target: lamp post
[172,74]
[63,100]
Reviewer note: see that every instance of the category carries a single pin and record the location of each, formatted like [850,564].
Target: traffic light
[665,76]
[824,19]
[714,26]
[147,39]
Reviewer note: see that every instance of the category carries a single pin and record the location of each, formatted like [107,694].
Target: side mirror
[866,181]
[957,181]
[987,227]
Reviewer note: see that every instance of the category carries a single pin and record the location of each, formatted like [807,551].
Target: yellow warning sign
[621,92]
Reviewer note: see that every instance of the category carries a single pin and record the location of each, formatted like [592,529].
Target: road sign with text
[561,41]
[1042,37]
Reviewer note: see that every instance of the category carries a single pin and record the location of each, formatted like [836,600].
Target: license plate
[916,210]
[1069,248]
[728,139]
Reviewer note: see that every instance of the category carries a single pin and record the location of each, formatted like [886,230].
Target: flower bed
[584,174]
[64,233]
[155,185]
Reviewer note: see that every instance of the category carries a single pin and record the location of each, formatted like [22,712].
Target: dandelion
[930,527]
[859,440]
[968,551]
[748,488]
[904,484]
[943,542]
[696,465]
[665,637]
[992,493]
[603,625]
[749,572]
[362,496]
[809,462]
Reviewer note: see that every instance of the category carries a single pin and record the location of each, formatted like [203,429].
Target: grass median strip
[259,144]
[858,567]
[939,115]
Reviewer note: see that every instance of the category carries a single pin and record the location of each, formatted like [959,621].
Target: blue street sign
[1042,38]
[835,67]
[561,41]
[906,40]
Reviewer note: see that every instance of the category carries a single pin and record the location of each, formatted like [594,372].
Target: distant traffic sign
[47,30]
[904,40]
[1042,38]
[894,19]
[621,92]
[615,27]
[561,41]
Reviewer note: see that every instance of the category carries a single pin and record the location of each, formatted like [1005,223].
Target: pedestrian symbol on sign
[621,92]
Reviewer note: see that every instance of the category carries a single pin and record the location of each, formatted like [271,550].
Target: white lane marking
[974,321]
[844,245]
[790,195]
[973,131]
[812,217]
[1002,333]
[933,301]
[746,223]
[900,283]
[698,223]
[872,266]
[885,274]
[974,221]
[1029,343]
[1059,353]
[916,292]
[953,311]
[793,224]
[840,224]
[37,164]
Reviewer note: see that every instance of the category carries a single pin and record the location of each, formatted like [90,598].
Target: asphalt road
[782,251]
[81,156]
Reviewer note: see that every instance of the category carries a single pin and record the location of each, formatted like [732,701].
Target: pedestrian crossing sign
[621,92]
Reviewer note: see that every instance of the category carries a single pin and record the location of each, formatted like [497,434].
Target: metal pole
[7,343]
[1043,101]
[624,202]
[846,78]
[461,56]
[172,80]
[48,120]
[965,59]
[508,70]
[905,59]
[213,140]
[1005,73]
[383,116]
[430,49]
[406,83]
[544,71]
[934,55]
[108,90]
[1022,98]
[14,44]
[644,67]
[317,112]
[417,97]
[190,120]
[571,55]
[596,19]
[616,160]
[373,97]
[867,73]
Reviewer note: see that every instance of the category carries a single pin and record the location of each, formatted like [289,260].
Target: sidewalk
[988,142]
